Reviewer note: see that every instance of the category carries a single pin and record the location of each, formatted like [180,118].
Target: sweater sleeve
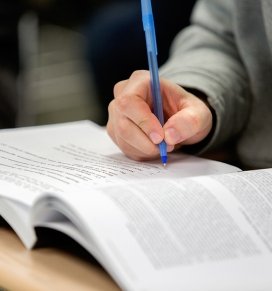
[205,57]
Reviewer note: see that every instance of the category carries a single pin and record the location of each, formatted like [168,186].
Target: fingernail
[155,137]
[172,136]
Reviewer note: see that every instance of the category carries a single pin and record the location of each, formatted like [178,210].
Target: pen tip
[164,160]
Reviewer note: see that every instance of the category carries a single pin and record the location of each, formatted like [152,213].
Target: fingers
[138,112]
[190,124]
[137,85]
[132,125]
[137,131]
[132,140]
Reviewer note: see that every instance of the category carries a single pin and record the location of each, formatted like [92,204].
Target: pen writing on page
[151,46]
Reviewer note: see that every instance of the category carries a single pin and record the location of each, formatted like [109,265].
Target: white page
[65,157]
[60,157]
[154,244]
[17,216]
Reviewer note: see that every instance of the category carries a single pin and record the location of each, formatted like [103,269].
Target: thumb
[188,126]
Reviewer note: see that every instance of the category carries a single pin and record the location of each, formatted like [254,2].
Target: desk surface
[47,268]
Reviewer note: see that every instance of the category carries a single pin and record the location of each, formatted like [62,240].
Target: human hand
[137,131]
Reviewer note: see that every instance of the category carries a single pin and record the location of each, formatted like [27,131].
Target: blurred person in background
[68,13]
[114,34]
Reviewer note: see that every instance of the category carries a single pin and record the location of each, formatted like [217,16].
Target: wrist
[198,147]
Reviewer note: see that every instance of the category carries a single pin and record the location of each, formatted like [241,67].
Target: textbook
[195,225]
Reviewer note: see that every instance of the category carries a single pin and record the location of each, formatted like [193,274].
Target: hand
[137,131]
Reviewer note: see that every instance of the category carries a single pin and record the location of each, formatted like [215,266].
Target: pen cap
[148,24]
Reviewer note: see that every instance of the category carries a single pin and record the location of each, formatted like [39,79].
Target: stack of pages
[195,225]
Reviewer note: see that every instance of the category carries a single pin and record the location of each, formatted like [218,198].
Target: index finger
[138,111]
[133,99]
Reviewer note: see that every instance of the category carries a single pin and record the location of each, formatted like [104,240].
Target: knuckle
[123,130]
[117,87]
[123,103]
[139,74]
[193,119]
[111,106]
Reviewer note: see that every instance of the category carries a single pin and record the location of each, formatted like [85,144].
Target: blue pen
[150,36]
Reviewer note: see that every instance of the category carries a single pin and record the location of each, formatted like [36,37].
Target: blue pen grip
[155,87]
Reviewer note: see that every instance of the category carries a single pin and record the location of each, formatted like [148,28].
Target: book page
[17,216]
[61,157]
[202,233]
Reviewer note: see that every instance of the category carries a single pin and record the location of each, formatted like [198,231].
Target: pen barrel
[150,33]
[155,87]
[151,45]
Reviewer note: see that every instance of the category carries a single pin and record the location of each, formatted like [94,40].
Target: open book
[195,225]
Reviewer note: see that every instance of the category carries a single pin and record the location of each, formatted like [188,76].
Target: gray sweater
[227,54]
